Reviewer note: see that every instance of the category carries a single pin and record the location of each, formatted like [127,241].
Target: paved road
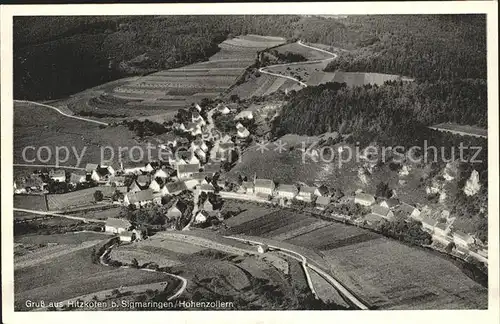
[62,112]
[334,282]
[298,63]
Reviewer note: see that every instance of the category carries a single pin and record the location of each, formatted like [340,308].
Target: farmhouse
[364,199]
[135,187]
[224,110]
[91,167]
[100,174]
[322,202]
[306,193]
[77,177]
[149,168]
[117,225]
[462,239]
[383,212]
[201,177]
[57,175]
[177,210]
[185,171]
[244,114]
[287,191]
[264,186]
[161,173]
[173,188]
[390,203]
[139,198]
[208,206]
[193,160]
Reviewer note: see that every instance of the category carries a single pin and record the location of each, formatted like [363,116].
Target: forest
[56,56]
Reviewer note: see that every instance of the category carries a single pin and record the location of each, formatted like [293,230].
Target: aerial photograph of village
[250,162]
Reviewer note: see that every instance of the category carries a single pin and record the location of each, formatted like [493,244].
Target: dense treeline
[56,56]
[429,47]
[383,112]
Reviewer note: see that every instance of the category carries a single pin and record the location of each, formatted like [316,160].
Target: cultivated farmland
[162,93]
[77,198]
[384,273]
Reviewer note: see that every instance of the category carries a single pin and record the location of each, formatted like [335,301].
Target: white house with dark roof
[208,206]
[287,191]
[201,155]
[306,193]
[161,173]
[117,225]
[155,186]
[322,191]
[139,198]
[78,177]
[201,217]
[135,187]
[185,171]
[390,203]
[224,110]
[409,210]
[364,199]
[242,131]
[149,168]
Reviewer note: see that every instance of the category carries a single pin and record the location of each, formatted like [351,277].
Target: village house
[322,202]
[390,203]
[199,144]
[161,173]
[91,167]
[31,182]
[372,219]
[441,229]
[224,110]
[244,114]
[177,210]
[213,167]
[197,119]
[57,175]
[264,186]
[110,169]
[139,198]
[155,186]
[364,199]
[77,177]
[193,160]
[143,180]
[208,206]
[134,168]
[127,236]
[202,156]
[116,225]
[201,177]
[409,210]
[247,187]
[173,188]
[428,224]
[242,131]
[287,191]
[306,193]
[383,212]
[101,174]
[135,187]
[322,191]
[149,168]
[226,139]
[201,217]
[185,171]
[462,239]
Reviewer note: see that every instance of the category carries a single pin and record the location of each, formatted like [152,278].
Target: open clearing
[36,126]
[385,273]
[72,275]
[309,53]
[35,202]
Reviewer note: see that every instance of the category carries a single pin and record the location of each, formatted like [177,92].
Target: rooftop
[365,197]
[322,200]
[264,183]
[287,188]
[188,168]
[143,195]
[381,211]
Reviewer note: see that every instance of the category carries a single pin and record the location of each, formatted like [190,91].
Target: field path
[61,112]
[86,220]
[334,56]
[182,279]
[334,282]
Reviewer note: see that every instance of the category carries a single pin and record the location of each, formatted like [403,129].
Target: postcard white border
[461,316]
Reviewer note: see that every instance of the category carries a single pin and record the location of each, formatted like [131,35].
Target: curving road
[334,56]
[62,112]
[334,282]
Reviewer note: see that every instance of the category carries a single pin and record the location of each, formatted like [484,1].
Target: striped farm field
[76,198]
[309,53]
